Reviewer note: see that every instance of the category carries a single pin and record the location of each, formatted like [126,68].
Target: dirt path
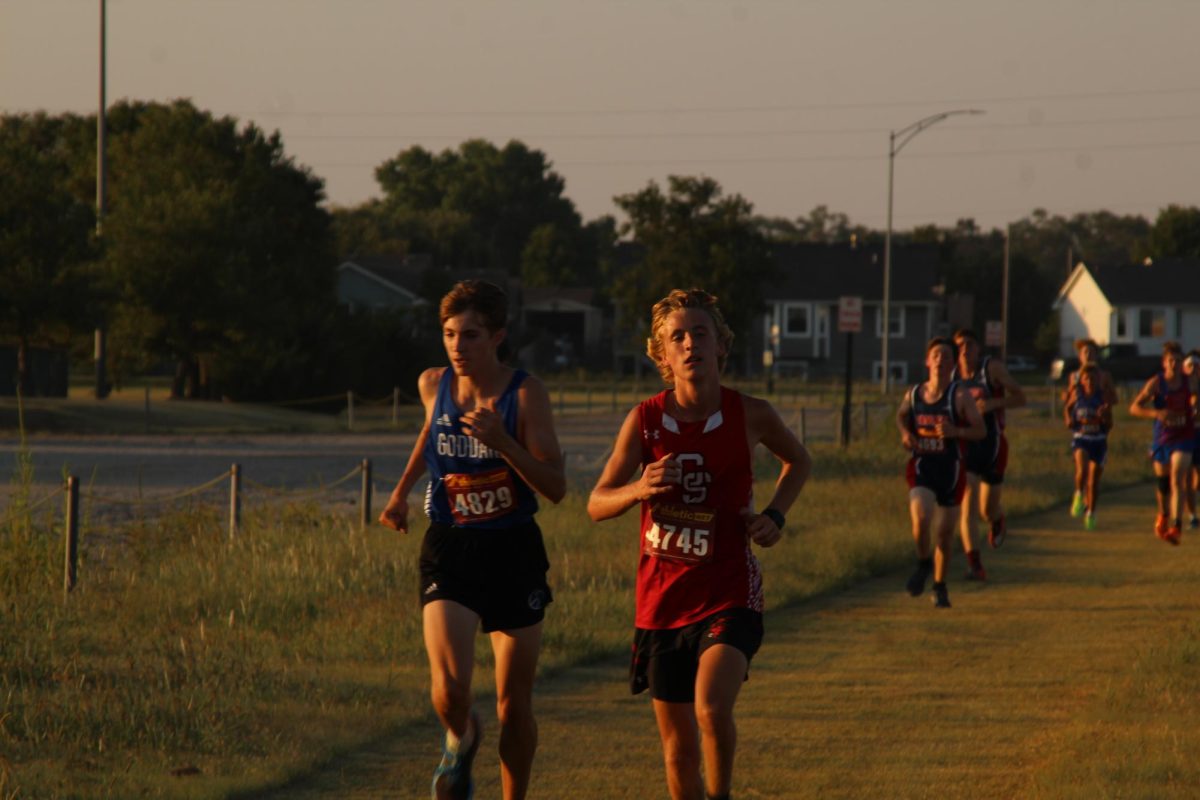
[870,693]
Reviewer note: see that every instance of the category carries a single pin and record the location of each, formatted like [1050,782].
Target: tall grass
[189,665]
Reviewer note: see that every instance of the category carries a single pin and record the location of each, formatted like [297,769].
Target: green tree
[693,235]
[44,236]
[219,248]
[1176,233]
[484,207]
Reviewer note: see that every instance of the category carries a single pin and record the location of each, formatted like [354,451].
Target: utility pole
[101,352]
[1004,299]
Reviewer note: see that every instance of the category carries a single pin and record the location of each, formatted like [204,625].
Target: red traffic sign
[849,318]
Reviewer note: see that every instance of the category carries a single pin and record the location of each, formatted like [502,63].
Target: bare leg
[516,665]
[680,736]
[450,645]
[1181,465]
[722,670]
[943,522]
[970,511]
[1093,485]
[921,504]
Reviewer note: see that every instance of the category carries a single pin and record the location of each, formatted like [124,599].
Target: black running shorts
[666,661]
[500,574]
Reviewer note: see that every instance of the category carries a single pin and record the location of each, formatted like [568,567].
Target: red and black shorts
[666,661]
[945,477]
[500,574]
[988,459]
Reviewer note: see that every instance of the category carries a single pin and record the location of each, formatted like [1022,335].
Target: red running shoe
[998,531]
[1161,526]
[975,570]
[1174,534]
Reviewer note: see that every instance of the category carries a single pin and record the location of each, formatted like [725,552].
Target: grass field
[186,665]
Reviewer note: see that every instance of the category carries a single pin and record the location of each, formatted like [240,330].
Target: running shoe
[1161,526]
[975,570]
[1089,522]
[941,597]
[452,778]
[1174,534]
[916,581]
[1194,523]
[998,531]
[1077,505]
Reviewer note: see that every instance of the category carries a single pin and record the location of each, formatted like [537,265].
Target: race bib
[680,532]
[929,442]
[1176,420]
[480,496]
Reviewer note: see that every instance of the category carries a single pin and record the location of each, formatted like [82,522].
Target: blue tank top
[471,485]
[1086,422]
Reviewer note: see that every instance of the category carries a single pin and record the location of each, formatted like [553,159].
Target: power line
[976,154]
[664,111]
[745,134]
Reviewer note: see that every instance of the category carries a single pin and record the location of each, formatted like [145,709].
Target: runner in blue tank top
[488,443]
[1089,416]
[934,419]
[1191,368]
[1169,399]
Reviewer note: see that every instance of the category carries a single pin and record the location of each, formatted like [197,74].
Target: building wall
[1085,313]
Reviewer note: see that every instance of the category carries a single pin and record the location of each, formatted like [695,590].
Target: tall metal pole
[101,353]
[1004,299]
[885,383]
[896,141]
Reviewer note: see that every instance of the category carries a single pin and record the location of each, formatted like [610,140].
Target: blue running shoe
[452,778]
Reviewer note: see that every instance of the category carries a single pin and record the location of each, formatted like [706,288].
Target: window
[1152,322]
[1122,333]
[895,321]
[797,319]
[899,372]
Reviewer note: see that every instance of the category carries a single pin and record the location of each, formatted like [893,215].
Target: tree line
[215,255]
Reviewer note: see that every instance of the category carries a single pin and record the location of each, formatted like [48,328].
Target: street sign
[849,315]
[993,333]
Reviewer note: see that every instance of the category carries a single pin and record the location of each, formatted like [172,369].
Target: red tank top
[695,555]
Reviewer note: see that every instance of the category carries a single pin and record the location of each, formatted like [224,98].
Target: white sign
[993,333]
[849,315]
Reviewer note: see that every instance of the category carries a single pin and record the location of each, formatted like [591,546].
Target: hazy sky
[1090,105]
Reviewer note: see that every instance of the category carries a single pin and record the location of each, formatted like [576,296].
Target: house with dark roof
[799,328]
[375,283]
[1144,304]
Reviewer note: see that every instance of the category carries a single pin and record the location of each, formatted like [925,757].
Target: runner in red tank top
[699,590]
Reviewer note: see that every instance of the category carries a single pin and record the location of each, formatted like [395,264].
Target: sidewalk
[871,693]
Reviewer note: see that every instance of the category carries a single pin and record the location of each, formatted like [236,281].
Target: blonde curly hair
[677,300]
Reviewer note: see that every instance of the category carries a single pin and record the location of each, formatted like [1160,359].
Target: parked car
[1122,361]
[1021,364]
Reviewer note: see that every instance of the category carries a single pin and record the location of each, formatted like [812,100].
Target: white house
[1144,304]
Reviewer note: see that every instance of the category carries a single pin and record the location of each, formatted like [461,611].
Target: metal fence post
[350,410]
[71,533]
[365,503]
[395,406]
[235,500]
[803,426]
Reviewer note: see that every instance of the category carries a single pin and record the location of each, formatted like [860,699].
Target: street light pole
[896,141]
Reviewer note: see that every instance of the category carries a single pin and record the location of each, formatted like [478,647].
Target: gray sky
[1090,105]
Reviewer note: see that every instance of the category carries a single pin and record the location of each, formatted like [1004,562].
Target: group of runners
[684,457]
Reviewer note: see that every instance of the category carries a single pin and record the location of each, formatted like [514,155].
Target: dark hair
[939,341]
[964,333]
[1082,343]
[677,300]
[1172,347]
[485,299]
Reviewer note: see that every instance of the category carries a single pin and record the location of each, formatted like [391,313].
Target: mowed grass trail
[1075,672]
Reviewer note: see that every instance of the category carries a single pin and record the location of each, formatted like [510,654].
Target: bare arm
[1014,395]
[974,430]
[534,453]
[765,427]
[613,494]
[1138,407]
[395,513]
[1069,407]
[904,422]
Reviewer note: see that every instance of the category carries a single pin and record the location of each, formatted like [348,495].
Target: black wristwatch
[774,515]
